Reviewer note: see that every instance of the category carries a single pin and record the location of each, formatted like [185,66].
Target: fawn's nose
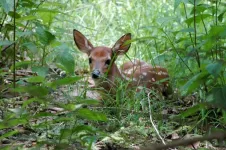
[95,74]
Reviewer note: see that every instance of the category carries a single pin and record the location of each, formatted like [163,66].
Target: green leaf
[64,81]
[198,18]
[177,3]
[200,8]
[221,16]
[194,82]
[65,59]
[26,18]
[44,36]
[11,14]
[65,133]
[217,31]
[7,5]
[218,97]
[40,70]
[91,115]
[31,100]
[191,111]
[27,3]
[187,30]
[36,79]
[82,128]
[31,46]
[38,91]
[22,64]
[12,122]
[6,43]
[71,106]
[24,34]
[214,68]
[47,17]
[17,111]
[8,134]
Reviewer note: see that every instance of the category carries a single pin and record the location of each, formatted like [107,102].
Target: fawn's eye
[90,60]
[108,62]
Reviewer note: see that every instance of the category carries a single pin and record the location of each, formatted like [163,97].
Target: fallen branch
[186,142]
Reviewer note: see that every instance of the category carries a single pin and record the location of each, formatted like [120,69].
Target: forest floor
[128,126]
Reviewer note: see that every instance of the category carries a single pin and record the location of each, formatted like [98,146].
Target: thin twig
[150,115]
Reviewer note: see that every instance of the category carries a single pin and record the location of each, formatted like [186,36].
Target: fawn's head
[101,58]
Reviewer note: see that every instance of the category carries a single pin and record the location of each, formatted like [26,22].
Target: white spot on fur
[134,79]
[141,76]
[153,72]
[153,79]
[129,71]
[140,87]
[164,73]
[159,73]
[144,73]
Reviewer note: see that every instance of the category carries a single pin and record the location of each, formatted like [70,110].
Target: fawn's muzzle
[95,74]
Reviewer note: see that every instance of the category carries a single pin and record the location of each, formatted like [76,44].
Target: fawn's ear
[82,42]
[122,45]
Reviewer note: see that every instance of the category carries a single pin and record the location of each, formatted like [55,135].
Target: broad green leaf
[214,68]
[44,36]
[22,64]
[31,46]
[191,111]
[38,91]
[6,43]
[201,8]
[7,5]
[24,34]
[65,59]
[47,17]
[177,3]
[12,122]
[198,18]
[217,31]
[64,81]
[81,100]
[27,3]
[17,111]
[11,14]
[187,30]
[8,134]
[91,115]
[82,128]
[221,16]
[40,70]
[70,106]
[218,97]
[26,18]
[31,100]
[44,10]
[65,133]
[194,82]
[53,4]
[63,119]
[36,79]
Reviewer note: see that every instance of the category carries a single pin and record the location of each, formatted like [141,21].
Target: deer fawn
[105,72]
